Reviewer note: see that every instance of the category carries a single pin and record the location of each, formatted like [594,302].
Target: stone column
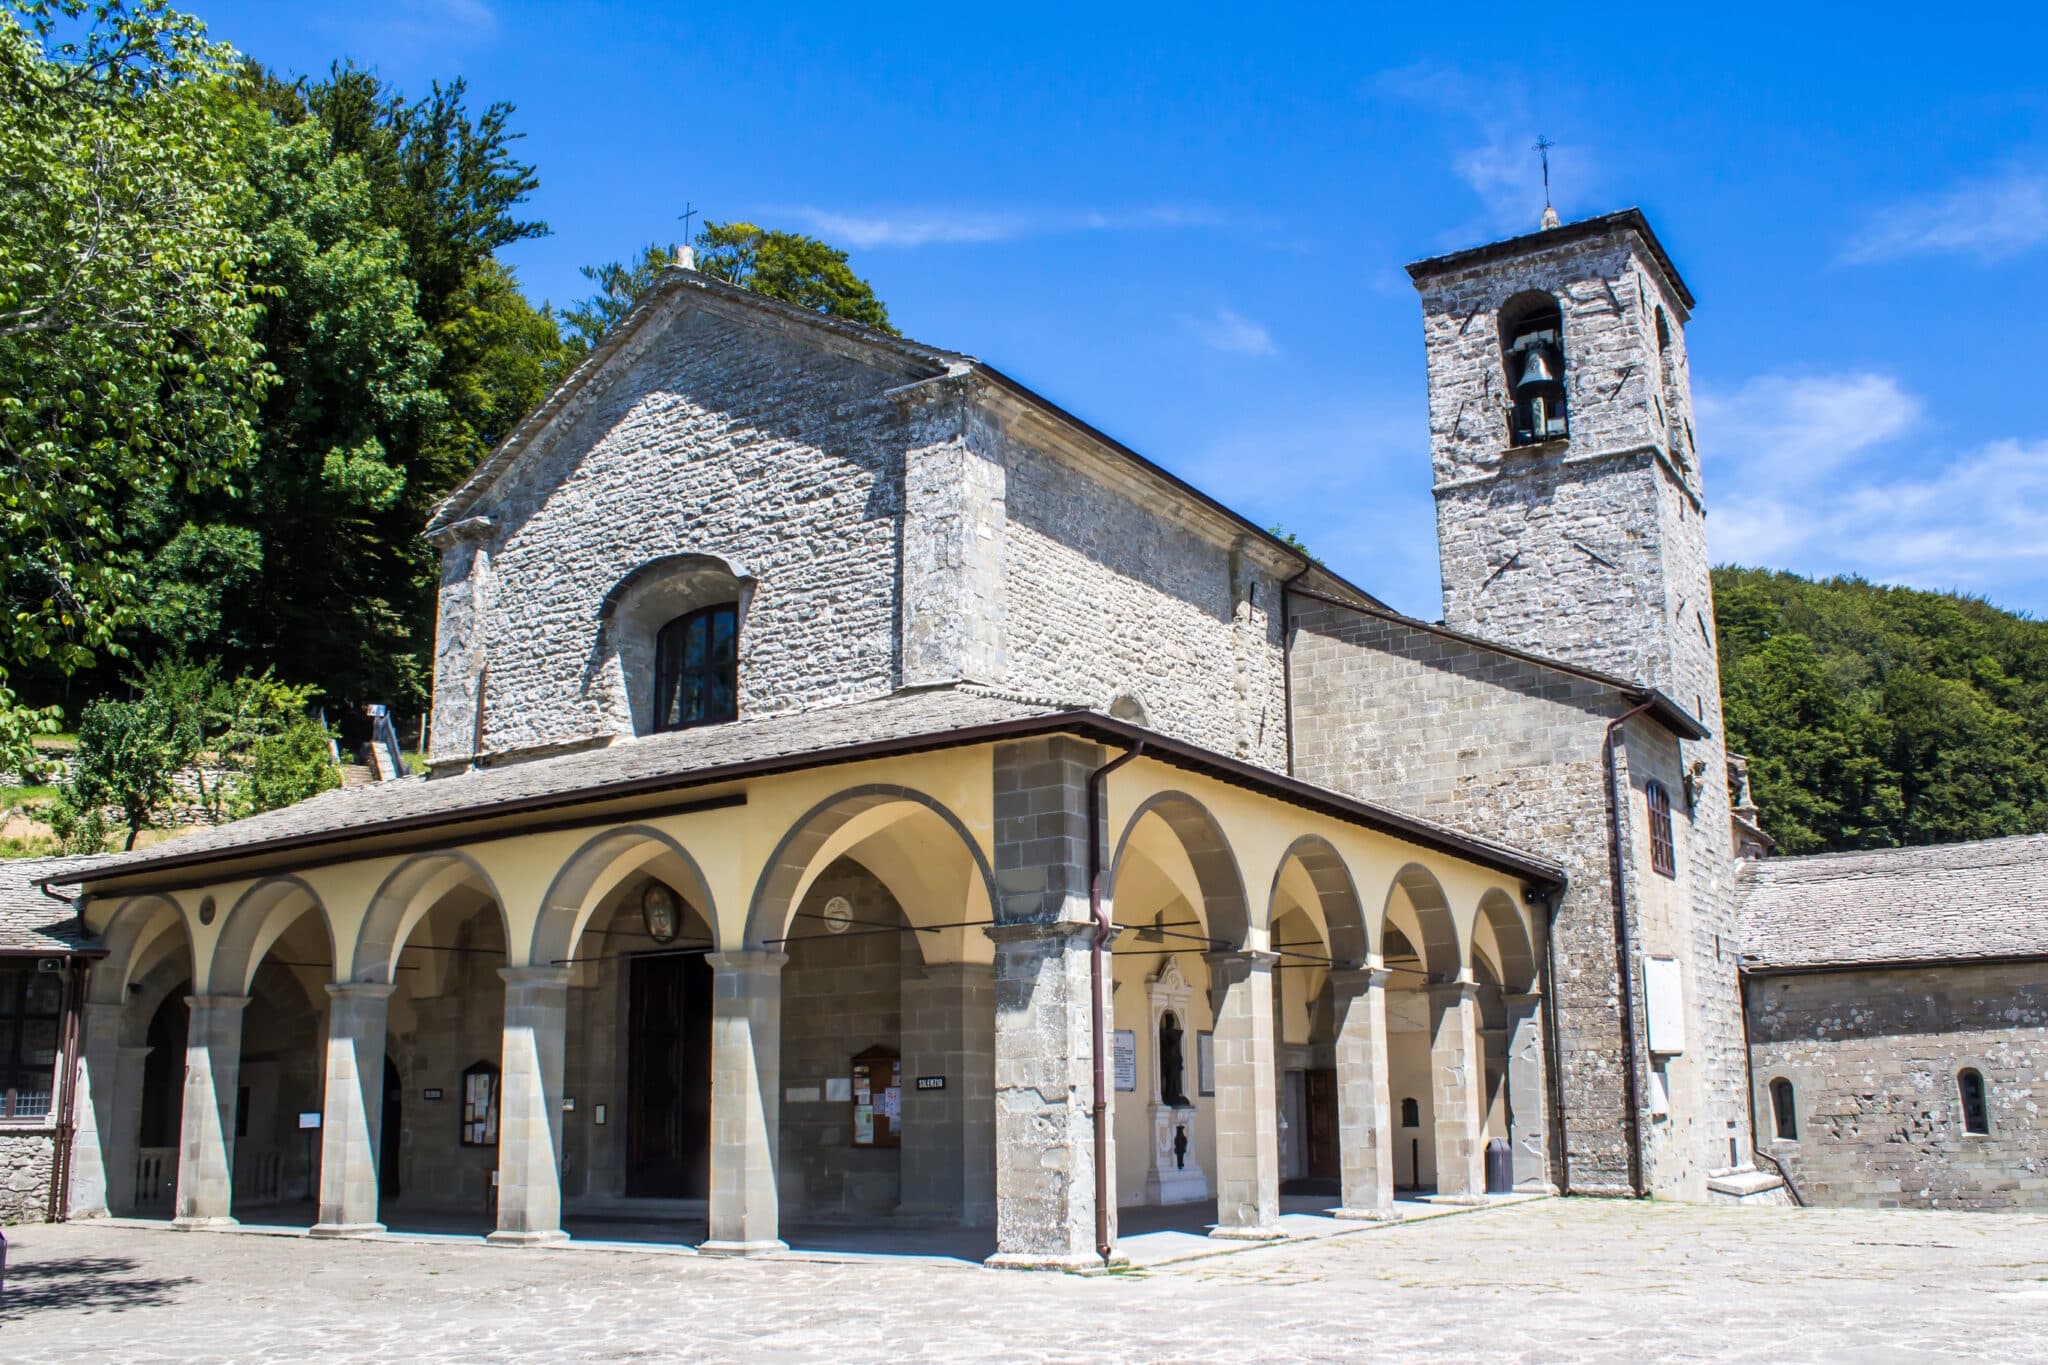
[1458,1078]
[746,1103]
[1365,1106]
[1247,1097]
[1044,1098]
[530,1106]
[104,1149]
[206,1138]
[1528,1094]
[949,1135]
[352,1109]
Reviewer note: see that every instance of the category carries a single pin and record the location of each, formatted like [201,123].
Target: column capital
[360,990]
[1358,980]
[1463,990]
[1516,999]
[531,977]
[1237,963]
[1023,931]
[751,961]
[216,1002]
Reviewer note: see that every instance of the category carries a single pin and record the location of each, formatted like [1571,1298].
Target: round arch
[596,869]
[135,925]
[1443,956]
[1336,892]
[259,918]
[796,856]
[1514,953]
[403,900]
[1225,909]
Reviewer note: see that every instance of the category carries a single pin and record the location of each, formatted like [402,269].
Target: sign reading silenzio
[1124,1054]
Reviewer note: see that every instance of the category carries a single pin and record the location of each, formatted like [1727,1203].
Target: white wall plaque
[1123,1051]
[1205,1062]
[1664,1003]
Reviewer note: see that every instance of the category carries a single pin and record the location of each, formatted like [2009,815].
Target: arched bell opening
[1533,363]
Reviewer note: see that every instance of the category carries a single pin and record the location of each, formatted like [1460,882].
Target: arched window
[1784,1112]
[1532,344]
[1976,1113]
[1662,857]
[1411,1114]
[696,668]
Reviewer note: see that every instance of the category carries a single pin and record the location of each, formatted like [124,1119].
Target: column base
[1387,1215]
[1462,1200]
[527,1239]
[204,1224]
[767,1248]
[1258,1234]
[344,1229]
[1535,1187]
[1087,1264]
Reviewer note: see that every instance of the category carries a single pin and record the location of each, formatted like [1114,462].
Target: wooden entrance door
[1322,1124]
[668,1078]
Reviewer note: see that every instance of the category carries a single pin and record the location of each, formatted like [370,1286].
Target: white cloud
[951,226]
[1493,129]
[1989,219]
[1799,477]
[471,14]
[1233,333]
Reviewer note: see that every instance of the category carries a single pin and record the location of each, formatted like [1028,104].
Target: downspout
[1632,1105]
[1559,1138]
[68,1048]
[1287,656]
[1098,1025]
[1749,1072]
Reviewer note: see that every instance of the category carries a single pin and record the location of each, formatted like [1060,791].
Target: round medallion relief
[658,913]
[207,910]
[838,914]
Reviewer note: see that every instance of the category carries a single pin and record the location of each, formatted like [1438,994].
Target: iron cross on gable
[689,212]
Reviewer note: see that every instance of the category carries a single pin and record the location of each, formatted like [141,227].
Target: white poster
[1205,1062]
[1124,1052]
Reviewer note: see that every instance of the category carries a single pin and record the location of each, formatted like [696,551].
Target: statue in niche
[1180,1146]
[1172,1080]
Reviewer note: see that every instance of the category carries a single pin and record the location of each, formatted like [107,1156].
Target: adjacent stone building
[1898,1023]
[864,794]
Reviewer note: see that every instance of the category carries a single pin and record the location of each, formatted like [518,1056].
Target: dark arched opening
[1532,349]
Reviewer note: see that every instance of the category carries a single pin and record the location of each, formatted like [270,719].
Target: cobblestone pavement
[1558,1280]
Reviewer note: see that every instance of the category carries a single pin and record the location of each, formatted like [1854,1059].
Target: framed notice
[1123,1050]
[1205,1062]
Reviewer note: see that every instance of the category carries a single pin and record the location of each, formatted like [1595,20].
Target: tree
[128,361]
[129,756]
[782,265]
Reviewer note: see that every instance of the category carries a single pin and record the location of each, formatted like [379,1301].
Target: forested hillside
[1877,716]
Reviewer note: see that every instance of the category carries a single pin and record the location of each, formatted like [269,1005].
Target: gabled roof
[1674,717]
[439,811]
[33,924]
[1942,903]
[677,285]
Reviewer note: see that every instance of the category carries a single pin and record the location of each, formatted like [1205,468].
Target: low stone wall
[1873,1059]
[26,1162]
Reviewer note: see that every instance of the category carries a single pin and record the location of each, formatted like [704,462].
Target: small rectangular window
[30,1003]
[1663,856]
[1976,1111]
[1784,1115]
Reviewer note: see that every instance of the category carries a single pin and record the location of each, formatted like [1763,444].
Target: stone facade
[26,1163]
[1873,1057]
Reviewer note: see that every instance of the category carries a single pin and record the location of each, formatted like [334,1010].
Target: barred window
[696,668]
[30,1003]
[1976,1112]
[1662,857]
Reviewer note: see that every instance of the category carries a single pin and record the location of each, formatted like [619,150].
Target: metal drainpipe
[69,1044]
[1560,1151]
[1097,1024]
[1287,657]
[1632,1111]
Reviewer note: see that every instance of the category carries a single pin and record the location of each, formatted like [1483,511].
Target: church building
[863,795]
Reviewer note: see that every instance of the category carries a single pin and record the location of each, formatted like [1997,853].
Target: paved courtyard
[1556,1280]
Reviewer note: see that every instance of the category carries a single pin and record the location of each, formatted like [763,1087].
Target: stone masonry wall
[725,434]
[1873,1058]
[1504,750]
[26,1162]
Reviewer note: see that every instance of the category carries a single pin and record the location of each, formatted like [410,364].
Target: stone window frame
[656,593]
[1784,1101]
[1663,847]
[669,669]
[1983,1105]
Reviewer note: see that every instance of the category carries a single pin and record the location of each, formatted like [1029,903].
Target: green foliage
[128,360]
[783,265]
[129,755]
[1875,717]
[287,767]
[1290,540]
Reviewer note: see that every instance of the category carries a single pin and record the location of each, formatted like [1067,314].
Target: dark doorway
[163,1071]
[390,1126]
[1323,1163]
[668,1078]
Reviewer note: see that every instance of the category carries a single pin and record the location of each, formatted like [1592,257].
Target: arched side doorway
[1435,1063]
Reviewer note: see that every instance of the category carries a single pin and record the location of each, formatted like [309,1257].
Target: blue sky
[1187,225]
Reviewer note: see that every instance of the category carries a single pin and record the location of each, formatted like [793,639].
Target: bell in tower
[1535,368]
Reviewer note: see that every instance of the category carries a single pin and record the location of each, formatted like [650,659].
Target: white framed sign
[1124,1054]
[1664,997]
[1205,1062]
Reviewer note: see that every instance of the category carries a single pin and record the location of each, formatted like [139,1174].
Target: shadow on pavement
[89,1283]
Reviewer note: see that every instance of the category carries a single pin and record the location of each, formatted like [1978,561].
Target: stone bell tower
[1571,523]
